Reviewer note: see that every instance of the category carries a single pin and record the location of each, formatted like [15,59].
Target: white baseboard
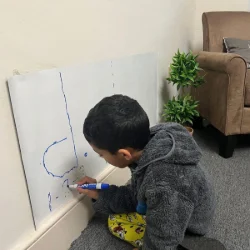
[67,226]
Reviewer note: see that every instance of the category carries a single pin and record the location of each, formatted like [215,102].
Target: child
[169,193]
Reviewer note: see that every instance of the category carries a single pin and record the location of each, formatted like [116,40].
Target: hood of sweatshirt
[171,143]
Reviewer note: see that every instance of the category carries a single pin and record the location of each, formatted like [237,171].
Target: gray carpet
[231,224]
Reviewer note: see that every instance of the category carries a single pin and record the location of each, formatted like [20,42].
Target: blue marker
[90,186]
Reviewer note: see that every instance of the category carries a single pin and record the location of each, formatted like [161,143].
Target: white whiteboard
[49,109]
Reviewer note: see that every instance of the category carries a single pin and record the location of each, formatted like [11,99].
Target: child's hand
[90,193]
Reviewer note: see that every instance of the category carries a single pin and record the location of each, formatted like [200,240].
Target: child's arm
[167,219]
[114,200]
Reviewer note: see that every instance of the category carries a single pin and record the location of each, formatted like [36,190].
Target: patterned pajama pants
[128,227]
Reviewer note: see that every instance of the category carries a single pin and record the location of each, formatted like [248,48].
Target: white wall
[213,5]
[43,34]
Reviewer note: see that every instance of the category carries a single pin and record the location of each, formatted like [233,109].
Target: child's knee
[122,227]
[117,229]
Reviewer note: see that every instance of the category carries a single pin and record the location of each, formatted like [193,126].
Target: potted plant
[184,73]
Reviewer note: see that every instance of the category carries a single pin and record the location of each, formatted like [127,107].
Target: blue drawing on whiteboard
[86,154]
[67,181]
[67,112]
[57,142]
[49,197]
[44,154]
[44,162]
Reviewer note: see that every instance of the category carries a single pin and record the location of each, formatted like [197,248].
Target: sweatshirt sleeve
[115,200]
[167,218]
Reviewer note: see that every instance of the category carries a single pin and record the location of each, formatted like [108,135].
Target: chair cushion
[247,89]
[242,48]
[238,46]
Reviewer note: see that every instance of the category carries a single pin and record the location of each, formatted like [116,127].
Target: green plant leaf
[180,109]
[184,70]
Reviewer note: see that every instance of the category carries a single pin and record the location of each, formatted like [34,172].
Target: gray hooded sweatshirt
[168,179]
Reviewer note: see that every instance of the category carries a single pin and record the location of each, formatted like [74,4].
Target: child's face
[121,159]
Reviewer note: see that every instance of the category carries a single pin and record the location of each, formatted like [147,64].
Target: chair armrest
[221,62]
[222,95]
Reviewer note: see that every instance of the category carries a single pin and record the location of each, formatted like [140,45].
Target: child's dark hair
[117,122]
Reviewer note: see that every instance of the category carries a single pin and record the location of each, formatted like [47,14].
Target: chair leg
[227,145]
[198,123]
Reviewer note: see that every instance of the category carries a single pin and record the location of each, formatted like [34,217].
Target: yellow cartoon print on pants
[128,227]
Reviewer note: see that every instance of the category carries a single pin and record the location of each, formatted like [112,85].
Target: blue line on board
[44,164]
[49,197]
[56,142]
[67,180]
[46,151]
[71,129]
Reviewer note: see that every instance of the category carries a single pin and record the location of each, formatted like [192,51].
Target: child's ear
[126,154]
